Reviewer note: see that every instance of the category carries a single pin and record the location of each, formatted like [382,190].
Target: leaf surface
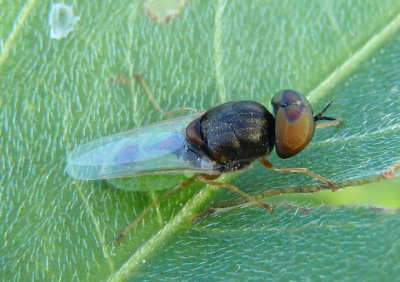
[58,94]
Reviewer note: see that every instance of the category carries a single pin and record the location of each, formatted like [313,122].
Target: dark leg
[207,180]
[149,207]
[267,164]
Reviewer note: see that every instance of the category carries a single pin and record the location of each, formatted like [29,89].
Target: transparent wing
[155,149]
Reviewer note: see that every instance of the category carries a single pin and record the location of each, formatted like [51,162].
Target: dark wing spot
[126,155]
[172,142]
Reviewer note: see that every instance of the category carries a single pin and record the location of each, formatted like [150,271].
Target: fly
[225,138]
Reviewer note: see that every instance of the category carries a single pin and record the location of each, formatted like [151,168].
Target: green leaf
[58,94]
[289,244]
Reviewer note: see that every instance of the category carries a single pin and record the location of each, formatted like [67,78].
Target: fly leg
[125,80]
[209,180]
[153,100]
[268,165]
[203,178]
[149,207]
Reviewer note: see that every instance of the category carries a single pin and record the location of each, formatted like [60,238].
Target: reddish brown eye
[294,122]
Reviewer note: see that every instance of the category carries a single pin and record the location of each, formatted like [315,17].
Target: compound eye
[294,122]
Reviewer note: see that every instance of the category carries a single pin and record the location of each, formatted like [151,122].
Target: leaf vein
[356,59]
[189,210]
[217,49]
[16,29]
[97,226]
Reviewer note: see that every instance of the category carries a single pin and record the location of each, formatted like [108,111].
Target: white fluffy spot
[61,20]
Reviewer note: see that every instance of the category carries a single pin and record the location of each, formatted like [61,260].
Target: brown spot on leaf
[120,79]
[203,215]
[163,11]
[390,171]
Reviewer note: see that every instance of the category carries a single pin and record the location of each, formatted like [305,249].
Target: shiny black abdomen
[233,134]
